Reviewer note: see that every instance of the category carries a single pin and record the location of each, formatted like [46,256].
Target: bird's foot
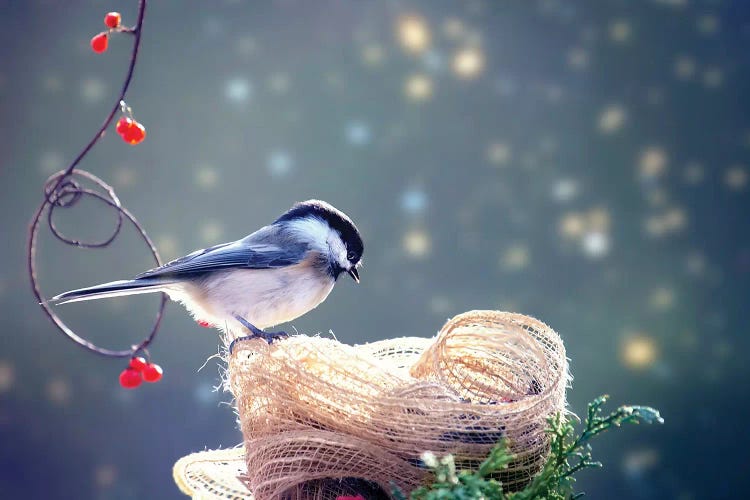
[256,333]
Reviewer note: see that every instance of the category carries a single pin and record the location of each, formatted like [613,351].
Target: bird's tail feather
[111,289]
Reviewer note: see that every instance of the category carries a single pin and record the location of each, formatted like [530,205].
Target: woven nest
[322,419]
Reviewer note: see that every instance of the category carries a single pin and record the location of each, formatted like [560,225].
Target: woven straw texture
[322,419]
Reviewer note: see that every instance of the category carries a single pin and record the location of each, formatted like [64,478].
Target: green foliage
[569,453]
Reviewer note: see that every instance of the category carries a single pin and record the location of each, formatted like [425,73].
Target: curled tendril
[69,192]
[64,190]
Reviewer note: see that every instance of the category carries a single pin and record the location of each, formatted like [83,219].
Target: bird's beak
[354,274]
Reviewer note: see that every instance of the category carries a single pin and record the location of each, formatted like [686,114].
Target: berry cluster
[100,42]
[130,130]
[139,370]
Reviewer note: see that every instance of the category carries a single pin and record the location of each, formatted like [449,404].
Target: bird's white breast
[264,297]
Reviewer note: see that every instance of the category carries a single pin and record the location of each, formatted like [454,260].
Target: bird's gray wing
[243,254]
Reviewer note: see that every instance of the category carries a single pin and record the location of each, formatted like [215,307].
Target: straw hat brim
[213,474]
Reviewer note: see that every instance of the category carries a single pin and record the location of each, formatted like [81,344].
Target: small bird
[274,275]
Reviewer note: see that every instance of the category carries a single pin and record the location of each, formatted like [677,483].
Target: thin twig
[62,190]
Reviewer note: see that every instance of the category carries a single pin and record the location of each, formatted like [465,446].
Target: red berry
[135,133]
[137,364]
[112,20]
[99,42]
[123,124]
[152,372]
[204,323]
[130,379]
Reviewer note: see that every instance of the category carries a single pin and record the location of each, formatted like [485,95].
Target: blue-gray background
[582,162]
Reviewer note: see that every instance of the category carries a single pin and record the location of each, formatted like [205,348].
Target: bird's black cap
[335,218]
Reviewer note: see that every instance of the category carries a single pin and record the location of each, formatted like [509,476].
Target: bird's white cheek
[338,251]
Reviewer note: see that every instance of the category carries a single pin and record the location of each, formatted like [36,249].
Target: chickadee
[274,275]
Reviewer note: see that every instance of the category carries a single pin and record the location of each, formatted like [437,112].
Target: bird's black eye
[351,256]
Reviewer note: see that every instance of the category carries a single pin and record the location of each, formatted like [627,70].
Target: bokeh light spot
[7,376]
[358,133]
[206,177]
[572,225]
[499,153]
[611,119]
[167,246]
[620,31]
[468,63]
[713,78]
[565,190]
[93,90]
[735,178]
[205,394]
[413,33]
[652,163]
[373,55]
[246,46]
[414,201]
[280,163]
[595,244]
[635,463]
[639,352]
[50,162]
[707,24]
[105,475]
[684,67]
[211,232]
[662,298]
[52,84]
[238,90]
[693,173]
[58,391]
[515,258]
[417,243]
[578,58]
[418,88]
[125,177]
[279,83]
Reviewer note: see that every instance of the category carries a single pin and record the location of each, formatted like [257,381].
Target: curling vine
[64,190]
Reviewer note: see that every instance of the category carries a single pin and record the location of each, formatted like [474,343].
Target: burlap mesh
[321,419]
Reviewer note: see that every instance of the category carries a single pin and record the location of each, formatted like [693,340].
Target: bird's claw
[256,333]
